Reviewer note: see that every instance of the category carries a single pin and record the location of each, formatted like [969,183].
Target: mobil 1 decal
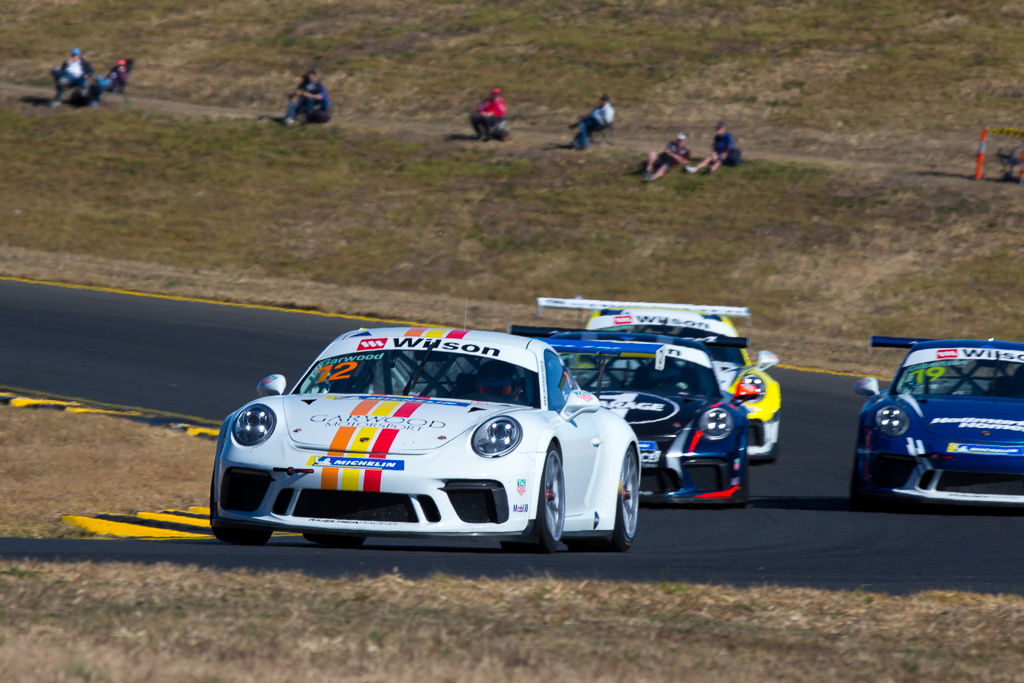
[636,407]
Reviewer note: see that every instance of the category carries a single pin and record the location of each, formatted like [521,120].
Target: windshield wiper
[419,371]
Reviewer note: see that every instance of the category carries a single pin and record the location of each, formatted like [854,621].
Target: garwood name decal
[410,423]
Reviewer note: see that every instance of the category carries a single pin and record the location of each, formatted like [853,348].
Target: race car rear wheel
[241,536]
[334,540]
[626,512]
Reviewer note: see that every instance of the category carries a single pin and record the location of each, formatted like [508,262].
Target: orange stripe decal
[329,478]
[415,332]
[340,441]
[363,407]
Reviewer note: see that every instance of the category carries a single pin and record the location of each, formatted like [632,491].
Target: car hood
[383,424]
[652,415]
[975,419]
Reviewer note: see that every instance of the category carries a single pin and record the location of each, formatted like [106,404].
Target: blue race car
[692,436]
[950,428]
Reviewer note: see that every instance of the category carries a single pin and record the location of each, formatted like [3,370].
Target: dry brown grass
[122,622]
[65,464]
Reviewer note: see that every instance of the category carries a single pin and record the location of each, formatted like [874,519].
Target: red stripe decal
[715,494]
[382,444]
[371,480]
[693,442]
[456,334]
[406,409]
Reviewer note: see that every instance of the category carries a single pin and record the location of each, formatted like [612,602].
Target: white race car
[427,431]
[732,365]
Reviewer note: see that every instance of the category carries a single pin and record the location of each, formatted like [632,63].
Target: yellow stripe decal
[434,333]
[364,439]
[385,408]
[350,479]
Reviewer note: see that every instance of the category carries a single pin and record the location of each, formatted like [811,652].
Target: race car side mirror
[745,392]
[766,359]
[272,385]
[866,386]
[579,402]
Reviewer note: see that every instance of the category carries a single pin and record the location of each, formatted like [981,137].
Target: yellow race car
[732,365]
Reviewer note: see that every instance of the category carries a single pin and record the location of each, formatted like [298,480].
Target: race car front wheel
[241,536]
[627,508]
[551,503]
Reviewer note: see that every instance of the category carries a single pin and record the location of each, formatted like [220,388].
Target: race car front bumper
[429,495]
[943,478]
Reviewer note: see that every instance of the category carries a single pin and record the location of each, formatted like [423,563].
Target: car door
[580,438]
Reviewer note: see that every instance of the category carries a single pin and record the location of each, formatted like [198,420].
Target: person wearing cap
[600,117]
[115,81]
[676,152]
[309,98]
[723,151]
[74,71]
[489,117]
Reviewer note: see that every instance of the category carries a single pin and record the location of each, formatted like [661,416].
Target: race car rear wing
[896,342]
[545,332]
[598,305]
[609,347]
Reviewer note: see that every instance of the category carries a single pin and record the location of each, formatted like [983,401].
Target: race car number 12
[341,371]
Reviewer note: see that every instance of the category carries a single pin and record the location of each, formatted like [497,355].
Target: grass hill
[854,215]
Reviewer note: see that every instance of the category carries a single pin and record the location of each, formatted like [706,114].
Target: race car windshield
[718,353]
[609,373]
[962,378]
[430,373]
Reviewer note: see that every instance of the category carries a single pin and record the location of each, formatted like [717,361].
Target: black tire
[241,536]
[772,456]
[550,504]
[626,510]
[334,540]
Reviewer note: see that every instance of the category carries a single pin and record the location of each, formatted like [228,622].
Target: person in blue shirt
[600,117]
[311,99]
[723,151]
[74,71]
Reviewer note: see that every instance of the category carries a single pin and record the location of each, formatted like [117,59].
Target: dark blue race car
[949,429]
[692,436]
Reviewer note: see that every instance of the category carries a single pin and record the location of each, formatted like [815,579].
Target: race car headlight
[254,425]
[497,437]
[755,381]
[892,421]
[717,423]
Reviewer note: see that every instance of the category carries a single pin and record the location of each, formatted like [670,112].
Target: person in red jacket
[489,117]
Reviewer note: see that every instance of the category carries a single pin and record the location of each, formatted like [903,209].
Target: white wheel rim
[554,501]
[629,501]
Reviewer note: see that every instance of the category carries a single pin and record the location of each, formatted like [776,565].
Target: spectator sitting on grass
[676,152]
[309,98]
[116,81]
[723,151]
[488,117]
[74,71]
[599,118]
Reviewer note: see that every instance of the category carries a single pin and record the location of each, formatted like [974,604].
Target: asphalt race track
[204,360]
